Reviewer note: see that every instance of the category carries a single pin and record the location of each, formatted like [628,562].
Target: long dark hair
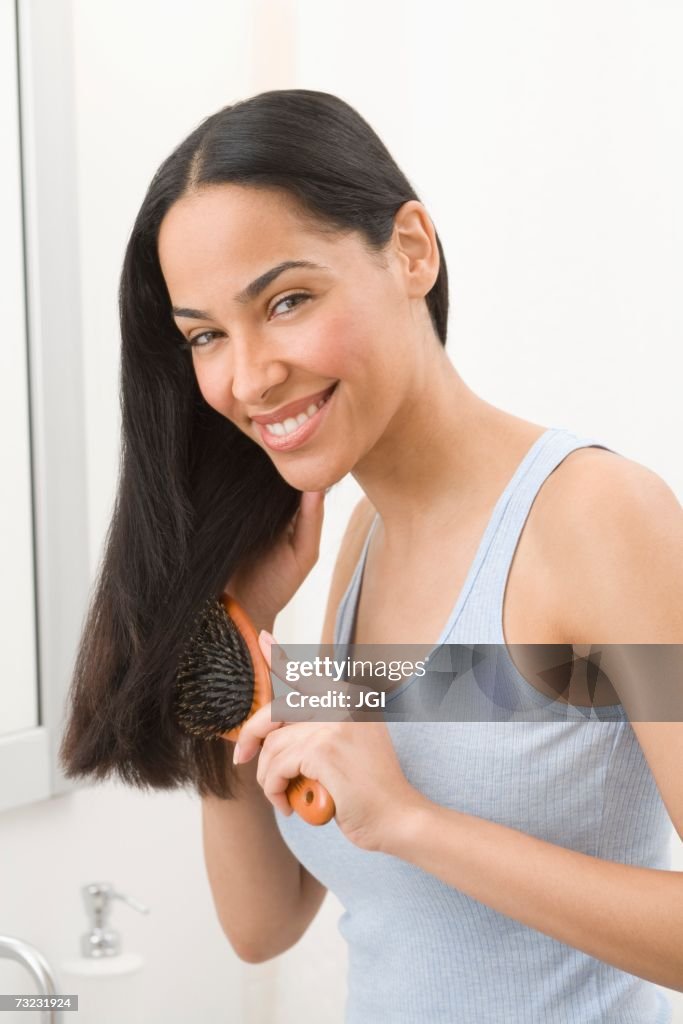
[196,498]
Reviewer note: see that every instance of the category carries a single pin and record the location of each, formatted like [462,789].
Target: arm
[628,916]
[265,899]
[627,569]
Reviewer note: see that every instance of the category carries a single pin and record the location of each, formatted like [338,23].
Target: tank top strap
[480,618]
[346,612]
[477,614]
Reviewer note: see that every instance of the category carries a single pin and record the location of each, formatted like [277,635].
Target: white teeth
[291,424]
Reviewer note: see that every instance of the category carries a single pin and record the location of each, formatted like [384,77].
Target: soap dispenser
[107,981]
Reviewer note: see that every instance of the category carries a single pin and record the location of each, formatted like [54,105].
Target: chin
[311,480]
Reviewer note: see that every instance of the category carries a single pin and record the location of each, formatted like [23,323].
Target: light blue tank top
[422,952]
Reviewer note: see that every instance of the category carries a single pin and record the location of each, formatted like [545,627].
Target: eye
[194,342]
[290,298]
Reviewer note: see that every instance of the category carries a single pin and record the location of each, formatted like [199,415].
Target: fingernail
[236,754]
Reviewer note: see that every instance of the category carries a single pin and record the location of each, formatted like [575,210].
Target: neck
[445,455]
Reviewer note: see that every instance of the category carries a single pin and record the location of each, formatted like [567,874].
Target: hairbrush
[222,679]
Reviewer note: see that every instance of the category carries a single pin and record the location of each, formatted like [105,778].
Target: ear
[415,248]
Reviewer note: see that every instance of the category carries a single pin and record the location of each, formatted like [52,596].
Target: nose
[254,372]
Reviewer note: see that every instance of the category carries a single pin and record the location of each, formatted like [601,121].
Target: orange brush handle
[307,797]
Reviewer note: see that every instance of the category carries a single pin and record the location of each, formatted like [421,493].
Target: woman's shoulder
[594,487]
[613,531]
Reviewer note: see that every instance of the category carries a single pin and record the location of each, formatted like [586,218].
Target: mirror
[18,672]
[43,518]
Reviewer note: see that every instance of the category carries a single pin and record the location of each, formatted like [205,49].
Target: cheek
[339,345]
[343,344]
[214,385]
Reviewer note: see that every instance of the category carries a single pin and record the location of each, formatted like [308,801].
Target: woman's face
[347,322]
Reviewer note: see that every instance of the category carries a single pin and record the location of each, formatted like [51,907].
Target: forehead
[236,226]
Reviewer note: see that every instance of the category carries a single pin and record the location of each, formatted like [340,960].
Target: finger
[346,693]
[278,765]
[259,726]
[272,650]
[308,686]
[253,732]
[278,799]
[279,771]
[282,742]
[273,743]
[265,642]
[278,654]
[282,711]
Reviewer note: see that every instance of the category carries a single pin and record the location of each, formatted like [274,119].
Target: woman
[282,267]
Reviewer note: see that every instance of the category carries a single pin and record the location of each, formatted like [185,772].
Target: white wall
[539,136]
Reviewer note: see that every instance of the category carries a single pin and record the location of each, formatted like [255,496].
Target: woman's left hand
[355,761]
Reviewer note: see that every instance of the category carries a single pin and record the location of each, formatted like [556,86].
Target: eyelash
[192,342]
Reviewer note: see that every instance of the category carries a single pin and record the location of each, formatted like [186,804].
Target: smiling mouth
[296,431]
[290,424]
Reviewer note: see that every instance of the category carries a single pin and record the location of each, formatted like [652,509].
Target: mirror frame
[47,118]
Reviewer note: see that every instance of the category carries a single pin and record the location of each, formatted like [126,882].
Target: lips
[294,408]
[299,437]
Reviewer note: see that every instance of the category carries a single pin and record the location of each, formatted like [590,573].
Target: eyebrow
[252,290]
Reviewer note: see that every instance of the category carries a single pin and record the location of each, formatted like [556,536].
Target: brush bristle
[215,677]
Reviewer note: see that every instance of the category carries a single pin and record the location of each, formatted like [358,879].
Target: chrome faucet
[36,964]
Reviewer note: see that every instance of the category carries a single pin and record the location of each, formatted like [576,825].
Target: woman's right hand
[267,585]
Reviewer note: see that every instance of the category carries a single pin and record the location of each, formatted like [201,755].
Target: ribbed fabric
[422,952]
